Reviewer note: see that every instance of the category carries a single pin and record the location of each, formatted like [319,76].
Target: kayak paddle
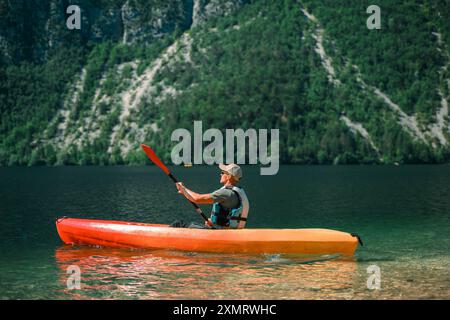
[154,158]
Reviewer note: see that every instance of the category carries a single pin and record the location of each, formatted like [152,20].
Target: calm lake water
[402,214]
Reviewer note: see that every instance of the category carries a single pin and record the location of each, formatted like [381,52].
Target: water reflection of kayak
[118,234]
[111,273]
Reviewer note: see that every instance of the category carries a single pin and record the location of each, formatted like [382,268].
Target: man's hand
[209,223]
[180,186]
[194,196]
[185,191]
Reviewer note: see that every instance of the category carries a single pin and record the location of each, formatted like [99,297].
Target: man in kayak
[230,203]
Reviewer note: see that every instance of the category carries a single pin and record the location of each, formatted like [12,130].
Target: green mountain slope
[338,92]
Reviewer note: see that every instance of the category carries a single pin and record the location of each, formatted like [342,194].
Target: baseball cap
[233,169]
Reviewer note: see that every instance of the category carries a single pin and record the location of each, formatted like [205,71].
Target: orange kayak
[118,234]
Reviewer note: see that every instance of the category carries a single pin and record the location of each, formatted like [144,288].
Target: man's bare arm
[194,196]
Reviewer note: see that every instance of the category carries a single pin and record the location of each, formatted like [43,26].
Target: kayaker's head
[230,174]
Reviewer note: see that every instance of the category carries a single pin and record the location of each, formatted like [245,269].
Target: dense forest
[338,92]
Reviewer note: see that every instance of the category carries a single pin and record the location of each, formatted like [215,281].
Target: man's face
[224,177]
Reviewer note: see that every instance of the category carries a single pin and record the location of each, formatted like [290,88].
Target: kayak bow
[118,234]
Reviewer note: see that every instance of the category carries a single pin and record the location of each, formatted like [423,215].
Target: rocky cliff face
[205,9]
[141,25]
[29,29]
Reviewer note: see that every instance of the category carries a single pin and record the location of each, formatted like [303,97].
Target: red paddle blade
[153,157]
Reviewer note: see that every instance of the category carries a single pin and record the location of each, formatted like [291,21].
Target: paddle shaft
[154,158]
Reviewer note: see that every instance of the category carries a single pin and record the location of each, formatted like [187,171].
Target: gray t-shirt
[226,197]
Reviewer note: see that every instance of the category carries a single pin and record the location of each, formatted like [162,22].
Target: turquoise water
[402,213]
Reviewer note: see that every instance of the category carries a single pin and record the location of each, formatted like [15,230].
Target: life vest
[232,218]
